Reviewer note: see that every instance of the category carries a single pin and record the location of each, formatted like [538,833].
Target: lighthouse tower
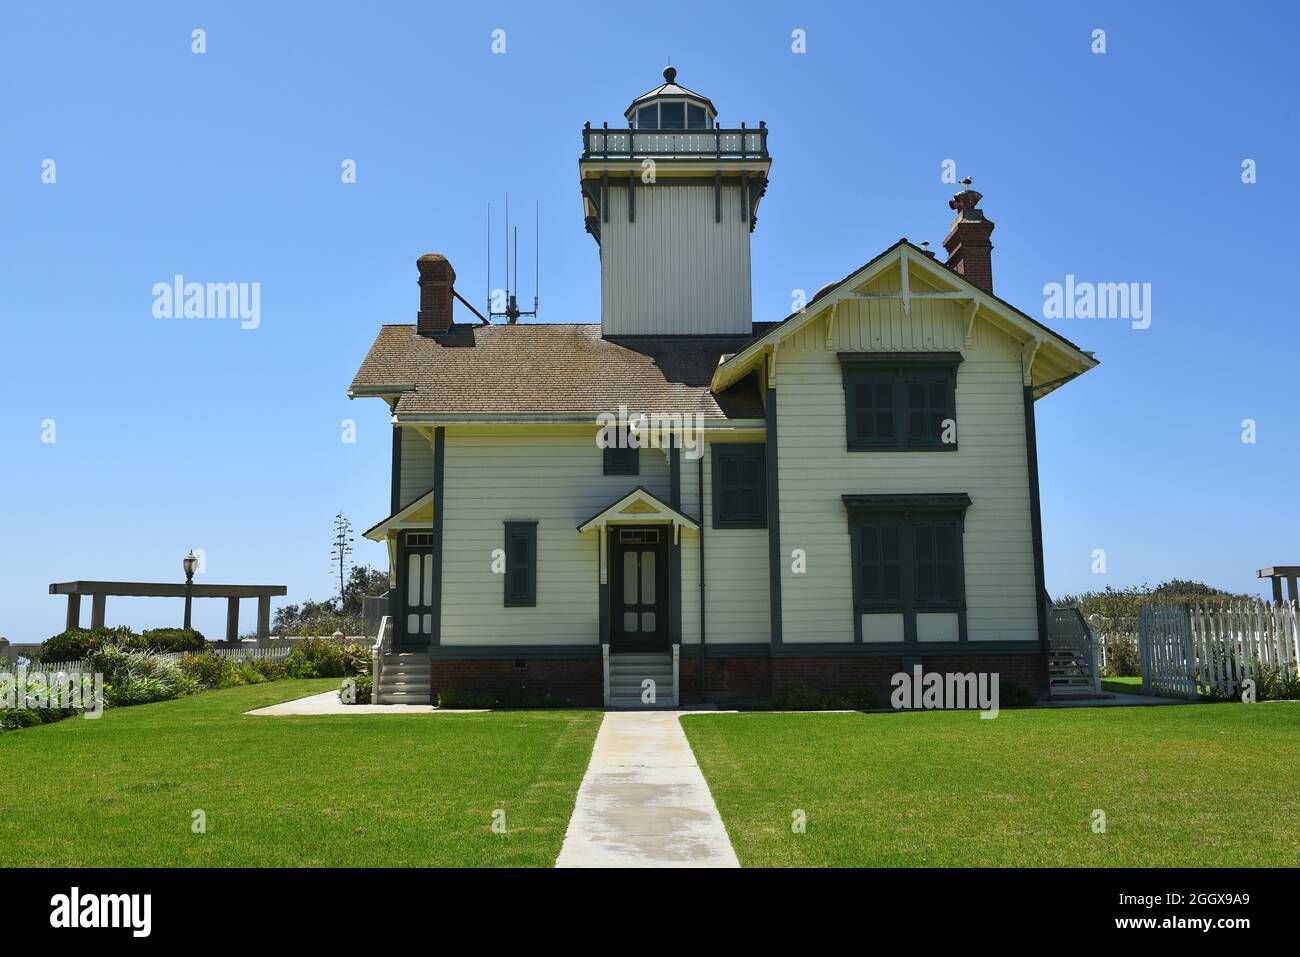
[671,199]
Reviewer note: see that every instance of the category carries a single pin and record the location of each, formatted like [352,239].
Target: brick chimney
[970,252]
[436,280]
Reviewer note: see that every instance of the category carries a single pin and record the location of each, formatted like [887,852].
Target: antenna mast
[512,312]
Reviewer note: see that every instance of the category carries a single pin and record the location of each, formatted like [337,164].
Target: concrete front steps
[627,674]
[404,679]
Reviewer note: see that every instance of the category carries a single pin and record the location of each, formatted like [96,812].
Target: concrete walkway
[643,801]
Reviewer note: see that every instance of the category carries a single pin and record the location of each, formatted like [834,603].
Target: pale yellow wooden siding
[555,480]
[990,465]
[738,593]
[417,466]
[676,269]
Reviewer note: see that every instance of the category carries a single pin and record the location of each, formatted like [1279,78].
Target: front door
[417,589]
[638,589]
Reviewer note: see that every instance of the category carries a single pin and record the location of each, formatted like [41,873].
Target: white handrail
[377,658]
[604,651]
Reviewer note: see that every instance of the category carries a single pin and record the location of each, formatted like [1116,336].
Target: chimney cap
[432,257]
[966,200]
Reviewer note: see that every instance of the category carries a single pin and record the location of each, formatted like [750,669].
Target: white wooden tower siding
[671,199]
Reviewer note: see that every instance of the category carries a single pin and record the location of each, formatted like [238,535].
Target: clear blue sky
[1124,166]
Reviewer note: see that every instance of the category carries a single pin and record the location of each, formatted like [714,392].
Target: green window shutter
[928,401]
[622,461]
[880,564]
[739,485]
[936,551]
[871,411]
[521,564]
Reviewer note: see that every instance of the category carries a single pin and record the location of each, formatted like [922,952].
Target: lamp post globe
[190,563]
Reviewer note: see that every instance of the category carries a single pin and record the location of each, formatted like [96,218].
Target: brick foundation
[577,680]
[728,680]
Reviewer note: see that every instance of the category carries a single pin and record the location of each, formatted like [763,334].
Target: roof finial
[670,73]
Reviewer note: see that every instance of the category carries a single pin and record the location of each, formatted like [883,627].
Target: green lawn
[347,790]
[1181,785]
[1122,685]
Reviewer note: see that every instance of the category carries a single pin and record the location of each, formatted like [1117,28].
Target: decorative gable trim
[638,507]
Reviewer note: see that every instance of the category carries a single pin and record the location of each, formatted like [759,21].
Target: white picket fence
[1210,649]
[1233,642]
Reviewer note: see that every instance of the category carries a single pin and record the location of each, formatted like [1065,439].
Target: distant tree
[341,550]
[364,582]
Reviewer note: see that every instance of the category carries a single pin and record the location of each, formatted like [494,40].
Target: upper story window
[895,402]
[672,115]
[622,460]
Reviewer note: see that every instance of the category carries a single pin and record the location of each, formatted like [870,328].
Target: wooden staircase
[1072,661]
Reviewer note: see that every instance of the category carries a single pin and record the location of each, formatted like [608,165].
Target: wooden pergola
[1278,572]
[100,591]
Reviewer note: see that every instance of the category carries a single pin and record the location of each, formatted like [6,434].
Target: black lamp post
[190,564]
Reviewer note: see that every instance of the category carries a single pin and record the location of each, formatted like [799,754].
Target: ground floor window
[907,567]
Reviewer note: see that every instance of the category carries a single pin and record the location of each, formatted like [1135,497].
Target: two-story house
[683,494]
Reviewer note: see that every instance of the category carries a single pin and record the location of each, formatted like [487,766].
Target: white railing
[604,652]
[377,657]
[677,684]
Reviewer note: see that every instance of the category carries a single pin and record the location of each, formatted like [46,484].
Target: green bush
[171,640]
[361,688]
[802,697]
[265,670]
[356,658]
[315,658]
[465,699]
[211,670]
[185,685]
[1012,694]
[140,689]
[78,643]
[20,716]
[1122,657]
[117,663]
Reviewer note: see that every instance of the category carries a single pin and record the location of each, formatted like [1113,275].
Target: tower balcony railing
[603,143]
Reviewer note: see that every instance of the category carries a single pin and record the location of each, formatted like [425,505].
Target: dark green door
[415,619]
[639,589]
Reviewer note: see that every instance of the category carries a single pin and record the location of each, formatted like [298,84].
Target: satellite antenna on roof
[510,309]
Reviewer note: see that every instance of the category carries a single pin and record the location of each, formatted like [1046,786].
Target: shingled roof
[553,368]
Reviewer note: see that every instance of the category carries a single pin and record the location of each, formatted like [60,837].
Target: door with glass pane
[416,619]
[638,589]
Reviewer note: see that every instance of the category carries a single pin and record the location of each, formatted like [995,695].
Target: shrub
[802,697]
[1012,694]
[1122,657]
[356,658]
[171,640]
[361,689]
[211,670]
[465,699]
[20,716]
[117,664]
[265,670]
[140,689]
[185,685]
[78,643]
[315,658]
